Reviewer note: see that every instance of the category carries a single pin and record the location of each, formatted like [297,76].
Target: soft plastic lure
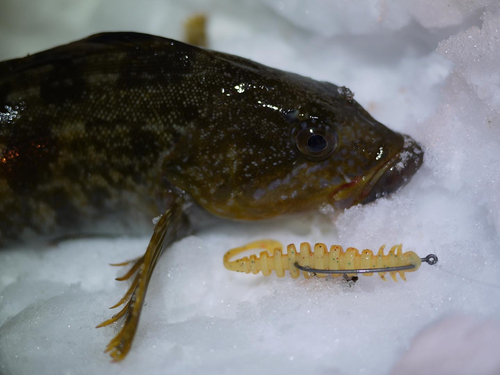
[322,262]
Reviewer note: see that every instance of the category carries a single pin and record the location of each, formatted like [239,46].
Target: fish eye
[316,143]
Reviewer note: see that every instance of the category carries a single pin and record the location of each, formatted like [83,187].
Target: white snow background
[428,68]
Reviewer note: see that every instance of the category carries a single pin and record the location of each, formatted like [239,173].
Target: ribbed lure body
[273,258]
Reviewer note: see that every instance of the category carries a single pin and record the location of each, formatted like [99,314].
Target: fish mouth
[394,174]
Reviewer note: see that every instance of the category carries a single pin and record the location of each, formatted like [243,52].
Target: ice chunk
[476,53]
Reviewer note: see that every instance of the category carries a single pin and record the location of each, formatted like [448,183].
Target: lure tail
[164,234]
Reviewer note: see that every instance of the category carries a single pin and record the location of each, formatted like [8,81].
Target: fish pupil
[316,143]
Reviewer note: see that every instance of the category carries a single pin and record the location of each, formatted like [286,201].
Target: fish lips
[396,172]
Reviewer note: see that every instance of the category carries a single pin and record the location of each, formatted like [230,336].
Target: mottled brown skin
[126,126]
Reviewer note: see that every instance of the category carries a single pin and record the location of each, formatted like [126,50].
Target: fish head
[347,156]
[291,154]
[338,155]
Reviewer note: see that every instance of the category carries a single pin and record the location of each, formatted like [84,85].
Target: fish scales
[124,126]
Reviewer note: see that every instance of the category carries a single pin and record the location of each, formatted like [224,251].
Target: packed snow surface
[427,68]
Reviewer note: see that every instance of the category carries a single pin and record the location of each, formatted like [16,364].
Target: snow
[446,348]
[427,68]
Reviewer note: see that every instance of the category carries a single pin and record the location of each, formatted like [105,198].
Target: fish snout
[398,171]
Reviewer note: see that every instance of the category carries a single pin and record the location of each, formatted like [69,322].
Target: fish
[123,127]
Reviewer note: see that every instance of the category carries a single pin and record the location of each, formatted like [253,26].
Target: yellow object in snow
[322,262]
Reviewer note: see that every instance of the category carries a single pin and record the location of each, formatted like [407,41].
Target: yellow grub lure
[322,262]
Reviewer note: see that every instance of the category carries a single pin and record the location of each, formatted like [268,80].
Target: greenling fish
[125,126]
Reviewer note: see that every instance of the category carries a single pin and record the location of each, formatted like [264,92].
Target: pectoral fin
[164,234]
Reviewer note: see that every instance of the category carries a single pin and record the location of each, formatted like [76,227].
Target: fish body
[123,126]
[104,126]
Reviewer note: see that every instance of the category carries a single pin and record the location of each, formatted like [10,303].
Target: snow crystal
[347,93]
